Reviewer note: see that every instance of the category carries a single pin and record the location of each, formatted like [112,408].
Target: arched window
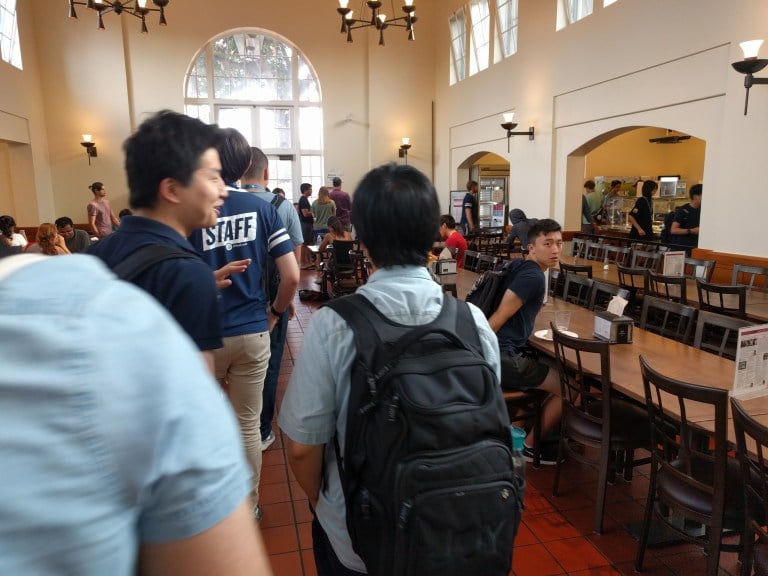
[260,84]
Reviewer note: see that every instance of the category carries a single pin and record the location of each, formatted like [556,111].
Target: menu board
[751,379]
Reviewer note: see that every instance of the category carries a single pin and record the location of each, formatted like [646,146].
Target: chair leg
[713,553]
[538,404]
[560,450]
[647,517]
[629,464]
[747,543]
[602,482]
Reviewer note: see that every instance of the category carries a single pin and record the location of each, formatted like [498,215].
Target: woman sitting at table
[336,231]
[49,241]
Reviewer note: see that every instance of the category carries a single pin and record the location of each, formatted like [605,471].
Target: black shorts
[519,372]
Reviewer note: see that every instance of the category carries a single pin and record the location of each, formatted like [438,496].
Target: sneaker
[547,456]
[258,513]
[267,442]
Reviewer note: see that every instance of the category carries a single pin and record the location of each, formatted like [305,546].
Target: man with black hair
[174,179]
[76,240]
[685,226]
[307,219]
[396,214]
[513,323]
[469,209]
[343,204]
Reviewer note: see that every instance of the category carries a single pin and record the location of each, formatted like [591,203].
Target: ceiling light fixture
[378,20]
[136,8]
[750,65]
[509,125]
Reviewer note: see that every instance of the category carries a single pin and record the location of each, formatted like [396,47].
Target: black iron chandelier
[377,20]
[136,8]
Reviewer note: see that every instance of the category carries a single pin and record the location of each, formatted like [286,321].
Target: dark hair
[336,181]
[258,162]
[471,184]
[615,183]
[166,145]
[125,212]
[648,187]
[7,223]
[589,184]
[395,213]
[334,223]
[542,227]
[695,190]
[96,186]
[448,220]
[305,186]
[279,192]
[235,155]
[64,221]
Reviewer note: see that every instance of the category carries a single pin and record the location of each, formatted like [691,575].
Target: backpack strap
[277,200]
[146,257]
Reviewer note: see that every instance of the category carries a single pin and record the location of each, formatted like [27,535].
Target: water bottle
[605,262]
[319,239]
[518,460]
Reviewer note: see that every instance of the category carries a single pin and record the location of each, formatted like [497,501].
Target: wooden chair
[594,418]
[750,276]
[577,289]
[485,262]
[671,288]
[471,260]
[579,247]
[669,319]
[594,250]
[728,300]
[602,293]
[691,474]
[634,281]
[580,269]
[718,334]
[341,268]
[617,254]
[753,466]
[526,406]
[695,268]
[644,259]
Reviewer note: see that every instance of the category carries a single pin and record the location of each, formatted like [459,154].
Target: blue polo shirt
[184,286]
[247,227]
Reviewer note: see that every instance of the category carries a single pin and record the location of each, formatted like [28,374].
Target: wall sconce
[403,151]
[510,125]
[749,66]
[90,147]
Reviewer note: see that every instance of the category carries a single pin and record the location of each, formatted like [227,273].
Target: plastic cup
[562,320]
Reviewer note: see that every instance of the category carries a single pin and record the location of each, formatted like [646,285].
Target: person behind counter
[641,216]
[685,226]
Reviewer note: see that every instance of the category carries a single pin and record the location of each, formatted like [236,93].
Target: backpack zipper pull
[373,392]
[405,512]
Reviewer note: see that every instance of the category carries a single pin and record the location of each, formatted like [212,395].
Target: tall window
[506,29]
[261,85]
[458,26]
[10,50]
[570,11]
[480,39]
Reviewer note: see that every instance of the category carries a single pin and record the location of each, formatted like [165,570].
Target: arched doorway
[491,172]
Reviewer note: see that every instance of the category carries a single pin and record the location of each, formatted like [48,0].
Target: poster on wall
[457,199]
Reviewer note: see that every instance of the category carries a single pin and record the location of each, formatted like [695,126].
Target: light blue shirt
[112,431]
[315,403]
[287,212]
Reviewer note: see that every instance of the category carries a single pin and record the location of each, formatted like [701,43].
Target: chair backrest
[669,319]
[633,279]
[579,247]
[752,451]
[485,262]
[667,287]
[601,295]
[577,289]
[696,268]
[580,269]
[617,254]
[594,250]
[729,300]
[643,259]
[678,446]
[750,276]
[471,260]
[580,400]
[718,334]
[340,254]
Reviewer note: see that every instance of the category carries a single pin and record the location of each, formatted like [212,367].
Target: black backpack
[488,290]
[146,257]
[427,468]
[271,281]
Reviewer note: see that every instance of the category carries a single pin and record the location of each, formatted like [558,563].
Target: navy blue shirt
[184,286]
[469,202]
[528,283]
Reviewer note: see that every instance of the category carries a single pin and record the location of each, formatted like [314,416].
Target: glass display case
[492,201]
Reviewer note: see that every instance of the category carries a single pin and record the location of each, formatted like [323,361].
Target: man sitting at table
[452,238]
[513,322]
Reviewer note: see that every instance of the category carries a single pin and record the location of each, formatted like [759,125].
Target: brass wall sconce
[509,125]
[749,66]
[404,147]
[90,147]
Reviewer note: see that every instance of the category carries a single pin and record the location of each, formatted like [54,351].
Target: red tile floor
[555,536]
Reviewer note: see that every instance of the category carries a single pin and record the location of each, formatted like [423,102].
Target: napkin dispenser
[615,329]
[447,266]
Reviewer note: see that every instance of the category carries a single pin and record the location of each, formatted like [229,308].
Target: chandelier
[377,19]
[136,8]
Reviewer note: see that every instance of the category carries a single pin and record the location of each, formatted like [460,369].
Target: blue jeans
[276,347]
